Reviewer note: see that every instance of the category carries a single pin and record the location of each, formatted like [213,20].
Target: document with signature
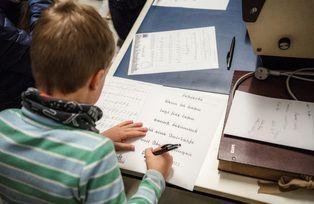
[172,115]
[273,120]
[197,4]
[173,51]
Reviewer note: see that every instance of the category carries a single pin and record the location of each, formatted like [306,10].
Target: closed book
[260,159]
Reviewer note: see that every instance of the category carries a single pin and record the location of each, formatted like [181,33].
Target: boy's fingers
[167,155]
[123,146]
[148,152]
[124,123]
[140,129]
[134,134]
[135,125]
[157,148]
[143,129]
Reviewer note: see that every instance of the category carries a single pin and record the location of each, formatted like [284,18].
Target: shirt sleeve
[150,189]
[101,180]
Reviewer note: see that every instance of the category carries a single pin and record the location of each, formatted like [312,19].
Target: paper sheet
[169,51]
[198,4]
[121,100]
[172,116]
[278,121]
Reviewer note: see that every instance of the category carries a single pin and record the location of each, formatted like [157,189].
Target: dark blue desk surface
[227,23]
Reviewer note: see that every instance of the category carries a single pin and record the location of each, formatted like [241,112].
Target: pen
[230,53]
[166,148]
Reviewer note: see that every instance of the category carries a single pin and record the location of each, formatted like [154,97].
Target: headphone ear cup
[261,73]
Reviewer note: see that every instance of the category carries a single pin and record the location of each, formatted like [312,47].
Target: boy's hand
[124,131]
[161,163]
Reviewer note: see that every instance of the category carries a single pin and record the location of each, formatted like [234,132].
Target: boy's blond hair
[70,43]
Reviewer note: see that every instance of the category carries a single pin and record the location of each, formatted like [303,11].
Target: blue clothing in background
[15,66]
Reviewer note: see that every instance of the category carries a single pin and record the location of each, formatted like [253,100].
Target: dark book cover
[260,159]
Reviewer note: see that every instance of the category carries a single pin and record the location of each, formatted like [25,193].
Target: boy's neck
[80,96]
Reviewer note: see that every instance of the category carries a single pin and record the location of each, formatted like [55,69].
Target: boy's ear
[97,79]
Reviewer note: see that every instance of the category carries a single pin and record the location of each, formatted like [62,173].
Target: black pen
[166,148]
[230,53]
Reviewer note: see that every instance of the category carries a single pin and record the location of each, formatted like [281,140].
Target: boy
[50,150]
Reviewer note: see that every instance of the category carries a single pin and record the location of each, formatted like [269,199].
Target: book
[262,159]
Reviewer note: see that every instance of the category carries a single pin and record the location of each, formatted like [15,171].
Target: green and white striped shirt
[42,161]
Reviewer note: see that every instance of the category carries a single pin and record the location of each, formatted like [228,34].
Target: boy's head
[72,46]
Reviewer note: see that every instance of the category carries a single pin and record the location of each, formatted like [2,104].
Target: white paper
[169,51]
[121,100]
[198,4]
[278,121]
[172,116]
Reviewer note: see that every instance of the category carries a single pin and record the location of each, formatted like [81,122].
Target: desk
[210,180]
[227,24]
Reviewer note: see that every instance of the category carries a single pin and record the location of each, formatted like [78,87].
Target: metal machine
[280,27]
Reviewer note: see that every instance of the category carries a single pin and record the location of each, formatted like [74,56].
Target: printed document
[278,121]
[171,115]
[197,4]
[173,51]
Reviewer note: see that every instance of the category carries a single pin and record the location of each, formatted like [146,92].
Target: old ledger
[172,116]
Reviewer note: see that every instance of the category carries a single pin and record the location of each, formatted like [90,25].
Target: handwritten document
[278,121]
[122,100]
[169,51]
[198,4]
[172,116]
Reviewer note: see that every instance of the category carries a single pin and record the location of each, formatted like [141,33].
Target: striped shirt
[42,161]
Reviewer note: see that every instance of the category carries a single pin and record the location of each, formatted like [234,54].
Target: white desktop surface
[210,180]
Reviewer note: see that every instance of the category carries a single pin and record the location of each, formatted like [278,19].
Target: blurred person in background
[123,14]
[17,20]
